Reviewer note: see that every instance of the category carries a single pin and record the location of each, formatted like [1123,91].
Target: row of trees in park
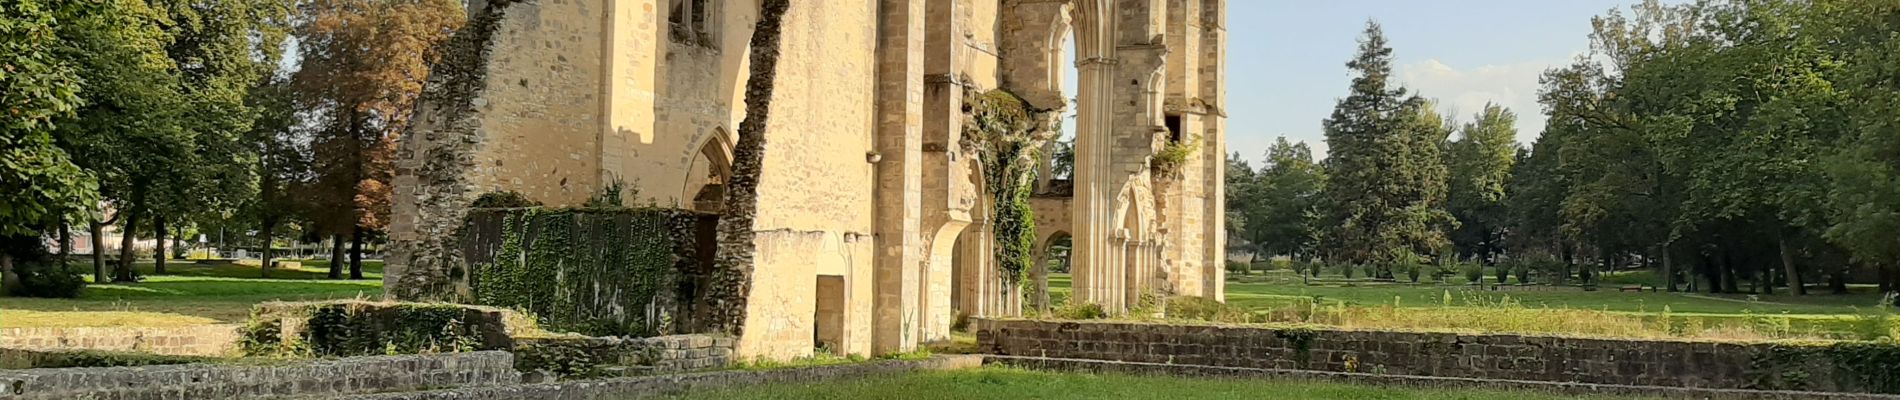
[1730,145]
[163,117]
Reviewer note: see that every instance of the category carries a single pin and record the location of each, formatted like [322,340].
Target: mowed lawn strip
[188,294]
[1005,383]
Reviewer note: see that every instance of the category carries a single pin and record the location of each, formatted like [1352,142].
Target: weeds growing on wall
[594,271]
[1168,162]
[1007,137]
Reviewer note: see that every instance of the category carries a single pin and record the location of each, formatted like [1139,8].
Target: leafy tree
[1480,163]
[39,181]
[1385,176]
[363,66]
[1283,218]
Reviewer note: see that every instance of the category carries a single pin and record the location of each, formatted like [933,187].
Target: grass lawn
[1001,383]
[1283,297]
[1281,292]
[188,294]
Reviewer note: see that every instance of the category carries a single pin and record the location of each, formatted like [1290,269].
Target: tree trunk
[1668,268]
[732,273]
[158,251]
[98,231]
[128,237]
[65,243]
[1795,285]
[268,229]
[336,257]
[356,253]
[1729,272]
[1839,281]
[9,280]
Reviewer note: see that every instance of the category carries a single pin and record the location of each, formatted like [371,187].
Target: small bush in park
[1523,271]
[1236,267]
[1299,268]
[1080,311]
[1412,271]
[1203,309]
[1504,273]
[39,273]
[1474,273]
[1349,270]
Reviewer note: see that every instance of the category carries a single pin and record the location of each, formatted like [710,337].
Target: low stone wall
[610,356]
[206,340]
[659,385]
[313,379]
[1415,382]
[1838,367]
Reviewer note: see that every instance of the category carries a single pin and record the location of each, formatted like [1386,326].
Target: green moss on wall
[598,271]
[358,328]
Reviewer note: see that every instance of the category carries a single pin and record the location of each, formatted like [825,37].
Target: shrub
[1523,272]
[1203,309]
[504,199]
[1080,311]
[358,328]
[1299,268]
[1504,273]
[1412,271]
[1349,270]
[1474,273]
[47,280]
[39,273]
[1236,267]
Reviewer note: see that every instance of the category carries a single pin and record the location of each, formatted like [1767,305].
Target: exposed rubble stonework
[871,230]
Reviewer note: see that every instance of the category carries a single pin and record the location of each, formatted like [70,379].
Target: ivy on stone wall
[359,328]
[1007,136]
[609,272]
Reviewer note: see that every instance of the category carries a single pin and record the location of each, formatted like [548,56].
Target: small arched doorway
[706,177]
[1050,276]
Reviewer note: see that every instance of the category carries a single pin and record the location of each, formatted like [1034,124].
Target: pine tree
[1385,201]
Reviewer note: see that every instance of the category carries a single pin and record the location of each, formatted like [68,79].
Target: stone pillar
[899,192]
[1094,47]
[1213,89]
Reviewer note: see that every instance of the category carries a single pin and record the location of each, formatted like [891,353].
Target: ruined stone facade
[872,232]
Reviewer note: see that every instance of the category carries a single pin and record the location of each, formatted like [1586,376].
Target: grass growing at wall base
[1004,383]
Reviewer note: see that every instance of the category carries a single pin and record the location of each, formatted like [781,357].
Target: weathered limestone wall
[815,215]
[1553,359]
[541,109]
[207,340]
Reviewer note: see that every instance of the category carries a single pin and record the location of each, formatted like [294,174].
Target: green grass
[188,294]
[1001,383]
[1282,297]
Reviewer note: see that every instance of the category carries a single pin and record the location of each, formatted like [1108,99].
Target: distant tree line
[1732,146]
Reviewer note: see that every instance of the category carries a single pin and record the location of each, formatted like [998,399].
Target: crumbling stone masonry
[871,231]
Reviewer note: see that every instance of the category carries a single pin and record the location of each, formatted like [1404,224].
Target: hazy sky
[1287,58]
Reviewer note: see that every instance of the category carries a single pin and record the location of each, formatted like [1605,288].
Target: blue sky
[1287,58]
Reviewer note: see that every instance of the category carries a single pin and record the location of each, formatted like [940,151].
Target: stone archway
[706,177]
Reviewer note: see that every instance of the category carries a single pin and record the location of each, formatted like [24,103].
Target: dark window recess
[1174,128]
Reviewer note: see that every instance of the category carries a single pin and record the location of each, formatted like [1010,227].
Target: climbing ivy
[597,271]
[1007,137]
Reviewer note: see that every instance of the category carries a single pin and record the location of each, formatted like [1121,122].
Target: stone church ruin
[874,221]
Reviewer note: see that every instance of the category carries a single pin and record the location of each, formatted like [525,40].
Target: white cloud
[1464,91]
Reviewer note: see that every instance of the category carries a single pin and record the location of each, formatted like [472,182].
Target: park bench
[1635,288]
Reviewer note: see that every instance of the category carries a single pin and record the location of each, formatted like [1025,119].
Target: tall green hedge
[603,272]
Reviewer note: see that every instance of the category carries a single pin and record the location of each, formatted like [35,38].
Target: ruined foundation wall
[1859,367]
